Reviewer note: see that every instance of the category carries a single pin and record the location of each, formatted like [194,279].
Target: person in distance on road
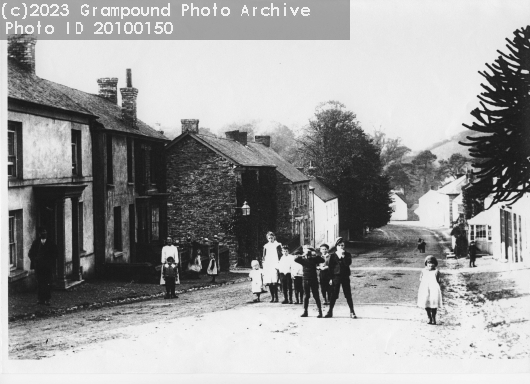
[339,270]
[429,293]
[310,278]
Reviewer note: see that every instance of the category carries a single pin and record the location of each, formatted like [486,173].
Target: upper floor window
[110,163]
[14,149]
[76,153]
[129,160]
[155,223]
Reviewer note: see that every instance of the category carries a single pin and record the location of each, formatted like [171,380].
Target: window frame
[12,240]
[155,224]
[110,160]
[118,238]
[77,163]
[15,128]
[130,170]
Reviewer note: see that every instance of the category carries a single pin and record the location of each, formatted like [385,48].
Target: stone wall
[202,187]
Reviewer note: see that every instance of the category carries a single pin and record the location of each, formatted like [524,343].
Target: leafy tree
[453,166]
[504,114]
[392,150]
[283,141]
[346,160]
[399,177]
[425,169]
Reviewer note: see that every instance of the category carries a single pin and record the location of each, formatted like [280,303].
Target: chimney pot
[128,101]
[22,48]
[108,88]
[265,140]
[190,125]
[240,137]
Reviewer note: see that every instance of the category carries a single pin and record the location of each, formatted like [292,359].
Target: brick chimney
[240,137]
[128,101]
[265,140]
[108,89]
[22,49]
[190,125]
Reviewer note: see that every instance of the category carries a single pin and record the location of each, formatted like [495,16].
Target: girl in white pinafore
[429,293]
[272,251]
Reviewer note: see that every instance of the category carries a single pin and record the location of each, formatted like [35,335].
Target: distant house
[210,178]
[399,207]
[326,213]
[436,208]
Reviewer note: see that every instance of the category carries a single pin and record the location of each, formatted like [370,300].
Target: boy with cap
[339,270]
[170,273]
[310,261]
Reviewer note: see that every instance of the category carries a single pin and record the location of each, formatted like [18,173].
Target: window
[76,153]
[129,160]
[117,229]
[293,197]
[81,227]
[110,165]
[15,239]
[480,231]
[152,166]
[12,243]
[489,232]
[155,220]
[471,233]
[14,150]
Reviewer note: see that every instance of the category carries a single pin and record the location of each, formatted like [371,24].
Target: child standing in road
[212,267]
[170,273]
[429,293]
[284,267]
[256,275]
[309,262]
[297,273]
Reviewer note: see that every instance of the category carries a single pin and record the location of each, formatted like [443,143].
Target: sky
[410,69]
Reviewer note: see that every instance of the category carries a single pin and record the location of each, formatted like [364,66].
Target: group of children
[282,269]
[308,272]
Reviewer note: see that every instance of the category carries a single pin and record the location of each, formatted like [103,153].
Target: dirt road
[216,330]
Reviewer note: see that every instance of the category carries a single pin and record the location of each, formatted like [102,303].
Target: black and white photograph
[320,190]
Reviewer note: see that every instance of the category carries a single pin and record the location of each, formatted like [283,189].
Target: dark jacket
[472,250]
[310,266]
[170,270]
[339,267]
[43,256]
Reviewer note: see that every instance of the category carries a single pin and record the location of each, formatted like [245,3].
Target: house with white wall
[503,230]
[436,207]
[399,207]
[326,213]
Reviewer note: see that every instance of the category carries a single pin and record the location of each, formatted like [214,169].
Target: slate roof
[250,155]
[323,192]
[288,170]
[23,85]
[454,187]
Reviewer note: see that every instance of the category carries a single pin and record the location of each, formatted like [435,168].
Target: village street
[220,330]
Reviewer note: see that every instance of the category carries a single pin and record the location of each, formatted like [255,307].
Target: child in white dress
[272,251]
[212,267]
[256,275]
[429,293]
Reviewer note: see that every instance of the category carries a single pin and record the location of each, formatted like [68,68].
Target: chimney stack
[108,89]
[128,101]
[22,49]
[265,140]
[240,137]
[190,125]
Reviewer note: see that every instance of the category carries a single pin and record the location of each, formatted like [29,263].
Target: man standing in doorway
[43,254]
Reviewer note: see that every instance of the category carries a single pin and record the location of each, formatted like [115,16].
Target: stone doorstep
[115,302]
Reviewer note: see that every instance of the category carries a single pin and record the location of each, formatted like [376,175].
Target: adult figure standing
[169,250]
[43,254]
[272,252]
[339,269]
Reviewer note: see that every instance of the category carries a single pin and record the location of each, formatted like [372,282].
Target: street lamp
[245,209]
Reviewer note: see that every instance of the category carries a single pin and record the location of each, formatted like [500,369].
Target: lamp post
[245,212]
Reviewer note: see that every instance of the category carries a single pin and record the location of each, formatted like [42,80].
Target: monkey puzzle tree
[503,156]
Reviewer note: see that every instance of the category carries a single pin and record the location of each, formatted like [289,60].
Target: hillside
[444,149]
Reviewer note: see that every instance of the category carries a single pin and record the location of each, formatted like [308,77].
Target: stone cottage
[210,178]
